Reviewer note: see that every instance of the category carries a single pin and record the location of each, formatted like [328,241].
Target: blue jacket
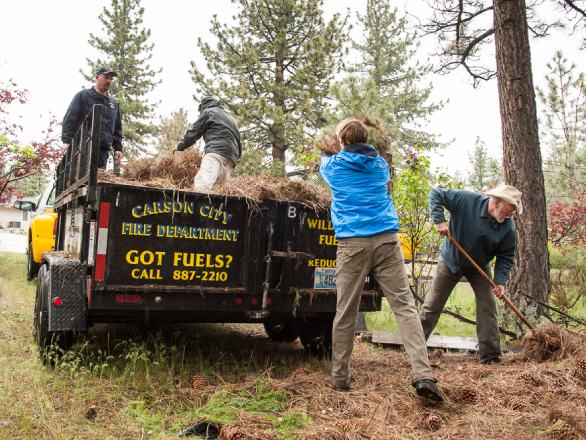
[482,238]
[111,127]
[361,204]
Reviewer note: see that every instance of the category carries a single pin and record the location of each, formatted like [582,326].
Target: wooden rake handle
[487,278]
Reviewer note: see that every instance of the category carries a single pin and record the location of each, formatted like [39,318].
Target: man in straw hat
[483,226]
[366,224]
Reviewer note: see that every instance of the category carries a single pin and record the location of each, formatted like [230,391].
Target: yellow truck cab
[40,231]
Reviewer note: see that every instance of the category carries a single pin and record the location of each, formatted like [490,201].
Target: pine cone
[351,413]
[349,425]
[517,404]
[581,366]
[558,382]
[560,426]
[433,423]
[300,372]
[197,382]
[529,378]
[553,344]
[570,435]
[482,373]
[231,432]
[436,355]
[468,394]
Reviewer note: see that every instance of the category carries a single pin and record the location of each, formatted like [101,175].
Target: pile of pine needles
[177,171]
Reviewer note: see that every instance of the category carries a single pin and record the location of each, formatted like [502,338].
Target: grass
[461,301]
[138,380]
[137,377]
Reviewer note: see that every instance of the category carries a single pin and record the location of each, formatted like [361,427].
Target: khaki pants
[487,326]
[380,254]
[214,170]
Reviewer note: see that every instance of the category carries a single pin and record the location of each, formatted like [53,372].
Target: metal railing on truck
[76,178]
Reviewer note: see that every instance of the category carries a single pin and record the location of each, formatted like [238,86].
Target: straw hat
[508,194]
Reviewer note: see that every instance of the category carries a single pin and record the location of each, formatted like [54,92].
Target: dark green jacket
[218,128]
[482,238]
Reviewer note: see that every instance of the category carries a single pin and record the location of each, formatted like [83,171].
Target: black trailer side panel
[168,238]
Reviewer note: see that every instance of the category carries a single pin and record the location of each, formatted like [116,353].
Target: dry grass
[138,381]
[177,171]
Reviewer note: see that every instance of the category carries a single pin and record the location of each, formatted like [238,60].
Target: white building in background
[15,218]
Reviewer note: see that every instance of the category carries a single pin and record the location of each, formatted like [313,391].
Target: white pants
[215,169]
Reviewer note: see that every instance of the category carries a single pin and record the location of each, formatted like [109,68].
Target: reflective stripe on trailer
[102,241]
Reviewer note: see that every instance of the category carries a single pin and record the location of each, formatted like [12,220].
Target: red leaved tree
[19,161]
[567,221]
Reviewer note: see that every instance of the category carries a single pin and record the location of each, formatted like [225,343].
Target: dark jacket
[361,204]
[111,127]
[218,128]
[482,238]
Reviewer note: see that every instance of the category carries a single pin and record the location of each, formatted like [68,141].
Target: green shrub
[568,275]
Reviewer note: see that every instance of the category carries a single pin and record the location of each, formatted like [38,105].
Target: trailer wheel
[316,336]
[50,344]
[32,267]
[281,332]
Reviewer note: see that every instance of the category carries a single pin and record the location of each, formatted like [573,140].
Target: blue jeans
[103,158]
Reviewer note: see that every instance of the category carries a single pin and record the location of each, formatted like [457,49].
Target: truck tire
[50,344]
[281,332]
[32,267]
[316,336]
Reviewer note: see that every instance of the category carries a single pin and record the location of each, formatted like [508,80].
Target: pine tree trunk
[522,155]
[279,144]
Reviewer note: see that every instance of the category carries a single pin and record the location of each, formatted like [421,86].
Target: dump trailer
[136,254]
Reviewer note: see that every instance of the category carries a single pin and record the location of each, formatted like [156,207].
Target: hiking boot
[341,389]
[426,388]
[491,361]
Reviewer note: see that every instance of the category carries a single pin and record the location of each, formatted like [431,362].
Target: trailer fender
[67,292]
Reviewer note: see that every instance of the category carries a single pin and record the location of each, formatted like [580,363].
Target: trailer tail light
[268,300]
[363,302]
[238,301]
[254,301]
[57,301]
[55,229]
[124,298]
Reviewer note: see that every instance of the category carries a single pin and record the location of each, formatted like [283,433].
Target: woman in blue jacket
[366,225]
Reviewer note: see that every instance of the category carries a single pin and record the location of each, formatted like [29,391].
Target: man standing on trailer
[111,128]
[366,225]
[483,226]
[222,138]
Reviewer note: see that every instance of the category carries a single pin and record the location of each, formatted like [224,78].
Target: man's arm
[193,134]
[72,119]
[440,198]
[505,257]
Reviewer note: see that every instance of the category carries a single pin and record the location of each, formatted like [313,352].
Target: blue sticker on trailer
[325,278]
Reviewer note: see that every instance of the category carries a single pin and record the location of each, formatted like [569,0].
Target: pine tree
[486,172]
[384,84]
[127,52]
[564,128]
[171,131]
[273,70]
[34,185]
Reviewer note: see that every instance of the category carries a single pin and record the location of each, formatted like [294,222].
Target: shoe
[491,361]
[426,388]
[341,389]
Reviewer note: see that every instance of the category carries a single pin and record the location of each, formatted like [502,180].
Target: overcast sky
[45,51]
